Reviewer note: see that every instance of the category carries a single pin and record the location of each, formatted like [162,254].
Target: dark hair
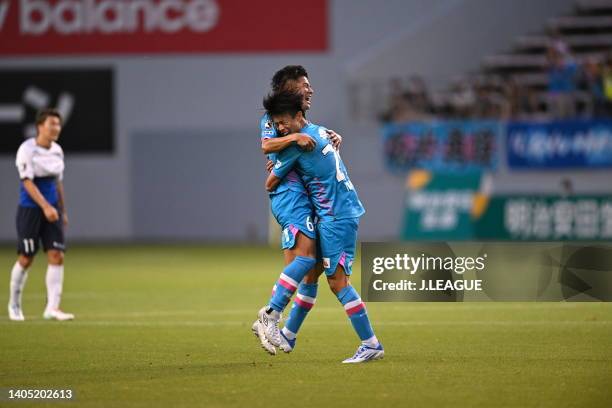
[43,114]
[290,72]
[279,103]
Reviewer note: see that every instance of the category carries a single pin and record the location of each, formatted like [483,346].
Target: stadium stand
[564,71]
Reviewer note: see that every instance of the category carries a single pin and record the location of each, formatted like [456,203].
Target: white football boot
[286,345]
[270,324]
[56,314]
[258,331]
[15,313]
[365,353]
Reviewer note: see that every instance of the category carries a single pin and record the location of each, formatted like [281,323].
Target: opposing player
[336,205]
[293,211]
[41,215]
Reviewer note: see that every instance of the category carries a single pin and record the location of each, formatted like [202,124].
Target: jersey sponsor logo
[278,164]
[268,132]
[268,125]
[326,263]
[323,133]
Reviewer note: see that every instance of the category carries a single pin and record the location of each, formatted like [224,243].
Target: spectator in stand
[483,106]
[418,95]
[410,104]
[517,100]
[562,82]
[591,82]
[463,99]
[396,101]
[557,43]
[606,78]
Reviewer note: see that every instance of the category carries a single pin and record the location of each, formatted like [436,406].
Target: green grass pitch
[169,326]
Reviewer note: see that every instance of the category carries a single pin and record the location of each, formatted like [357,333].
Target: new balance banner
[559,145]
[31,27]
[84,97]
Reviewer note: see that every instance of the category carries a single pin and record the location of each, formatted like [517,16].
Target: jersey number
[340,176]
[309,224]
[29,245]
[326,150]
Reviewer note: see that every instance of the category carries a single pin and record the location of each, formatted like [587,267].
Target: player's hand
[305,142]
[269,166]
[335,139]
[50,213]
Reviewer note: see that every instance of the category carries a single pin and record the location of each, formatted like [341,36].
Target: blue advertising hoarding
[559,144]
[442,146]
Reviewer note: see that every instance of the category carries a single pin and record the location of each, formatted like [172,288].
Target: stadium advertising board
[460,207]
[558,145]
[546,218]
[84,97]
[452,146]
[59,27]
[438,206]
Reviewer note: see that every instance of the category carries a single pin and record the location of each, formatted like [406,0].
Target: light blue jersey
[291,181]
[289,203]
[324,175]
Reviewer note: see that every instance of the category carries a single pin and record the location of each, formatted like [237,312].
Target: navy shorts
[33,228]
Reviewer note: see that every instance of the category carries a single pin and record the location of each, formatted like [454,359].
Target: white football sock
[19,275]
[55,281]
[371,342]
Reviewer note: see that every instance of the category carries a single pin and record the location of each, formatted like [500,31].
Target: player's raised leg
[303,253]
[302,304]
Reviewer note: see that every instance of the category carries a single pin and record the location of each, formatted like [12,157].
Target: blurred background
[462,119]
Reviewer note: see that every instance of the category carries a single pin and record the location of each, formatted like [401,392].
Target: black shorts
[33,227]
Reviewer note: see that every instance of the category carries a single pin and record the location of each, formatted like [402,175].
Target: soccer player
[293,211]
[41,215]
[336,205]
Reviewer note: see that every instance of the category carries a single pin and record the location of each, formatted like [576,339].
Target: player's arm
[61,202]
[277,144]
[272,182]
[284,163]
[50,212]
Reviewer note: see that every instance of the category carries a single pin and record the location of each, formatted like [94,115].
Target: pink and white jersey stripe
[305,302]
[354,306]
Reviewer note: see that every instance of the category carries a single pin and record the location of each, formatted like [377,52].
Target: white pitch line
[11,113]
